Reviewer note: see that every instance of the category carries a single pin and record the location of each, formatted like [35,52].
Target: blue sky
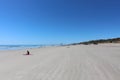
[58,21]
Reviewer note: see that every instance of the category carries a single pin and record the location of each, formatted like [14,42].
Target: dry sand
[80,62]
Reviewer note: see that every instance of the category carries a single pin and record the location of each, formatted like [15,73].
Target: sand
[80,62]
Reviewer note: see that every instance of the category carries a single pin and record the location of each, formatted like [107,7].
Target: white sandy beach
[80,62]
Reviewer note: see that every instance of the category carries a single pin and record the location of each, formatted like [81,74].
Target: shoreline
[38,47]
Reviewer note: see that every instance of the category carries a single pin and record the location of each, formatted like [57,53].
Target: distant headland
[112,40]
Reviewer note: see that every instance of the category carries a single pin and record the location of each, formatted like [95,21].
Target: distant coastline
[99,41]
[95,42]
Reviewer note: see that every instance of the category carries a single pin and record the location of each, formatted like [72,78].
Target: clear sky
[58,21]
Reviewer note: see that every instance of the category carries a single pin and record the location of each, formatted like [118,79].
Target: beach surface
[78,62]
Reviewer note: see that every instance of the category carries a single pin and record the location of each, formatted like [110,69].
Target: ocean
[16,47]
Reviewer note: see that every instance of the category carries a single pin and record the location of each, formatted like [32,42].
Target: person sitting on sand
[28,53]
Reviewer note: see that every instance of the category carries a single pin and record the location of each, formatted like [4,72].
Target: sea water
[16,47]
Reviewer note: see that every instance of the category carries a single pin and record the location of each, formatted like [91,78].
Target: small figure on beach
[28,53]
